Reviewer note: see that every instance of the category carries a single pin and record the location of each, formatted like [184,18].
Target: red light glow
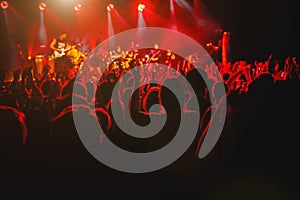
[42,6]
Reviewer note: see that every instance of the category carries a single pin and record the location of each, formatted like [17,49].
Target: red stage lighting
[77,7]
[109,7]
[4,4]
[141,7]
[42,6]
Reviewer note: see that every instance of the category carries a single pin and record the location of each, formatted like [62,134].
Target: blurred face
[63,36]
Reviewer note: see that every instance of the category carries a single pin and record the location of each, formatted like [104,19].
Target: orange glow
[4,4]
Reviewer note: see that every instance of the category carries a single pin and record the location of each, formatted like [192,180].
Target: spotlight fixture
[141,7]
[109,7]
[42,6]
[77,7]
[4,5]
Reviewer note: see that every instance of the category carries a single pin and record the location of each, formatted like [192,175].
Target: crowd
[36,109]
[41,98]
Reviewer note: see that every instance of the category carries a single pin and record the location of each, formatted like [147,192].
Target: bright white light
[77,7]
[109,7]
[141,7]
[42,6]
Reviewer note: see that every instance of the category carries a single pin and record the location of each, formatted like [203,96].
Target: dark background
[261,165]
[259,27]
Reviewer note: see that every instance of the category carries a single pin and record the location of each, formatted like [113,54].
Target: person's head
[63,36]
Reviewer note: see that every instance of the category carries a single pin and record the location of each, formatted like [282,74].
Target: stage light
[109,7]
[141,7]
[4,4]
[42,6]
[172,7]
[77,7]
